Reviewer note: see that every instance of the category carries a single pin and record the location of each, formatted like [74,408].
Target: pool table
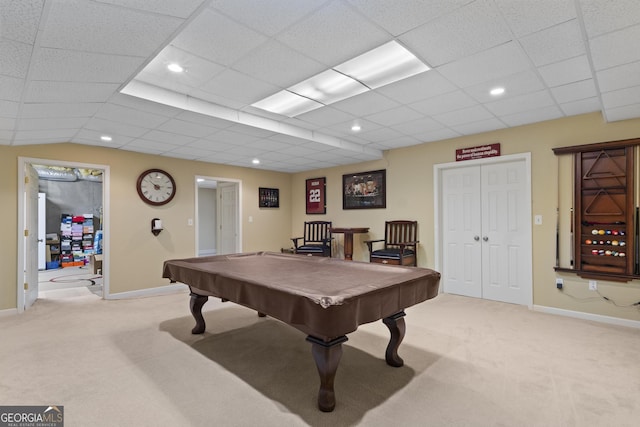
[326,298]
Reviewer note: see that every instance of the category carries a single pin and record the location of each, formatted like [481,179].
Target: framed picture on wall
[364,190]
[315,195]
[268,197]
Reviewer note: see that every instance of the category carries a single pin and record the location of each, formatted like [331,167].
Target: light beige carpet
[468,362]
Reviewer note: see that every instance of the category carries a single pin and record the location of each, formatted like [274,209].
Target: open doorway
[218,210]
[72,198]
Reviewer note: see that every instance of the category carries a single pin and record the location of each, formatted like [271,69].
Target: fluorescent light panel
[381,66]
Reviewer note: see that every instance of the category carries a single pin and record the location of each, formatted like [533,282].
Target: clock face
[156,187]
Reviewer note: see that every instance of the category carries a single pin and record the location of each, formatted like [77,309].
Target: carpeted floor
[468,362]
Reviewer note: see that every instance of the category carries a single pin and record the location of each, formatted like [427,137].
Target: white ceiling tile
[623,113]
[169,138]
[514,85]
[325,116]
[526,17]
[417,127]
[233,40]
[418,87]
[181,9]
[239,87]
[97,142]
[207,144]
[437,135]
[69,92]
[621,97]
[141,118]
[496,62]
[381,134]
[59,110]
[141,149]
[533,116]
[155,146]
[250,130]
[186,128]
[619,77]
[9,109]
[602,17]
[604,56]
[268,20]
[11,88]
[479,127]
[444,103]
[144,105]
[51,123]
[466,115]
[20,20]
[333,34]
[229,137]
[564,72]
[278,65]
[115,128]
[365,104]
[517,104]
[68,65]
[399,17]
[543,47]
[465,31]
[574,91]
[92,137]
[343,129]
[403,141]
[191,117]
[191,152]
[102,28]
[581,106]
[15,58]
[52,135]
[394,116]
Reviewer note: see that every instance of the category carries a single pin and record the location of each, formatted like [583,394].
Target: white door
[486,231]
[228,218]
[461,225]
[31,236]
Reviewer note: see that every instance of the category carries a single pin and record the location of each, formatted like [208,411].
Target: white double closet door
[486,231]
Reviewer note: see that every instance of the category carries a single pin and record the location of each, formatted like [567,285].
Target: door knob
[485,238]
[476,238]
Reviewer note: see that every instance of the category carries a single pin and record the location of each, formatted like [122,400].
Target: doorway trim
[437,203]
[106,174]
[196,224]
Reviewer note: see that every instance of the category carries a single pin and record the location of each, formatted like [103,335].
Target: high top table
[326,298]
[348,238]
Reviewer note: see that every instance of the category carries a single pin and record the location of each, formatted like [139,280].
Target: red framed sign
[315,195]
[479,152]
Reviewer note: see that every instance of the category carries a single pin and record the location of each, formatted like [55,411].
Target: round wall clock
[156,187]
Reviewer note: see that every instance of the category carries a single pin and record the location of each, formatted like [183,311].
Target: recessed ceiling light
[176,68]
[381,66]
[255,161]
[497,91]
[356,128]
[106,138]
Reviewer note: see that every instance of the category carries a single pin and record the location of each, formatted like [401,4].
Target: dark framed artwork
[268,197]
[364,190]
[315,195]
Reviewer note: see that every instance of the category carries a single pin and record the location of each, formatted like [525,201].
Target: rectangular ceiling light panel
[329,87]
[287,103]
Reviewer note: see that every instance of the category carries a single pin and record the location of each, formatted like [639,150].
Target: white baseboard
[8,312]
[150,292]
[588,316]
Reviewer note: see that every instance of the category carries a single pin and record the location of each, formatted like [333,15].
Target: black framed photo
[315,195]
[268,197]
[364,190]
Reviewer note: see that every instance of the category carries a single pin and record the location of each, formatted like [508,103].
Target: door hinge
[26,233]
[26,286]
[26,179]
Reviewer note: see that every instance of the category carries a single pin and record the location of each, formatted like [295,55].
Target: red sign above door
[479,152]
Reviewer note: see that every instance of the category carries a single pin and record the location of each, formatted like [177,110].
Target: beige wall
[136,256]
[410,195]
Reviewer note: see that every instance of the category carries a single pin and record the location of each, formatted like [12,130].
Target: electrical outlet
[593,285]
[559,282]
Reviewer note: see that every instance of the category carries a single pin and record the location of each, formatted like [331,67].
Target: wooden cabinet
[604,211]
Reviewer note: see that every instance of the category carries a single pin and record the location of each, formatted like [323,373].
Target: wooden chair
[400,244]
[316,240]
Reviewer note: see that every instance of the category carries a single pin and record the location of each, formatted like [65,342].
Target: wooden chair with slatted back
[400,244]
[316,240]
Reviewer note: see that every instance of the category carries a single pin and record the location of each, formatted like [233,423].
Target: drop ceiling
[74,70]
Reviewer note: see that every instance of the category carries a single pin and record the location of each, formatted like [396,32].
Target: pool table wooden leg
[327,357]
[195,304]
[396,326]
